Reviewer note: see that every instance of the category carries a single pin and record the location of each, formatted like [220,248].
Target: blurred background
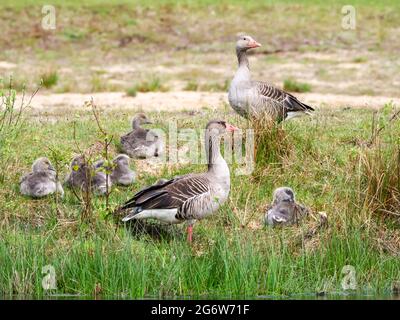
[177,50]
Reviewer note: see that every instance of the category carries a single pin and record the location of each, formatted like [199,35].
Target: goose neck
[214,157]
[136,124]
[242,58]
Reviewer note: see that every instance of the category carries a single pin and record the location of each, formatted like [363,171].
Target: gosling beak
[148,122]
[254,44]
[231,128]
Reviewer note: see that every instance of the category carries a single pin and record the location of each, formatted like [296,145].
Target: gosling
[284,210]
[142,143]
[41,181]
[83,173]
[120,173]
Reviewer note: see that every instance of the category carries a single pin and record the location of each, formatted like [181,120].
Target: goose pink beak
[231,128]
[254,44]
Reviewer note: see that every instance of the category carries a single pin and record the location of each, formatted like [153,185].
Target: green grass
[211,87]
[294,86]
[360,60]
[151,85]
[191,86]
[49,79]
[132,91]
[231,255]
[230,267]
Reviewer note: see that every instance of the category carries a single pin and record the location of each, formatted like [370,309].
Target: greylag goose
[189,197]
[82,173]
[284,210]
[140,142]
[41,181]
[120,173]
[252,99]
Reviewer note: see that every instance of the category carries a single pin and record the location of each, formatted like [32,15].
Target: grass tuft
[191,86]
[380,175]
[131,92]
[271,142]
[294,86]
[151,85]
[360,60]
[49,78]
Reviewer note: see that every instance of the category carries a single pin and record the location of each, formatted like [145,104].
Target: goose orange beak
[231,128]
[254,44]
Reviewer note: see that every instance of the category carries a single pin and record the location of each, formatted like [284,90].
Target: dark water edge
[300,296]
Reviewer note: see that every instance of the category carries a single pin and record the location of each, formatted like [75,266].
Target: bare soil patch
[185,100]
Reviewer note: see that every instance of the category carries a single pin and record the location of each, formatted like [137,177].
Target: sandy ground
[185,100]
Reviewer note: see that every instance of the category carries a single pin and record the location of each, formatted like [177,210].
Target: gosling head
[283,194]
[121,160]
[43,165]
[78,162]
[140,119]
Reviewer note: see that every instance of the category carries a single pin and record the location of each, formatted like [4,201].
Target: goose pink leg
[190,233]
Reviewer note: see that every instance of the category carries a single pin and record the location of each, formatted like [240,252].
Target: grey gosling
[81,173]
[284,210]
[120,173]
[141,143]
[41,181]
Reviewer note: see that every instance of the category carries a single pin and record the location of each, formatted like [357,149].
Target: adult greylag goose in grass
[141,143]
[120,173]
[254,99]
[189,197]
[83,175]
[41,181]
[284,210]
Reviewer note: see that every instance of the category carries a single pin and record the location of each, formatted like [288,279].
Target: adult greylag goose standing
[189,197]
[140,142]
[41,181]
[284,210]
[253,99]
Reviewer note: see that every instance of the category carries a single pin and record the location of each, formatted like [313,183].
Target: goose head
[245,43]
[121,160]
[219,127]
[283,194]
[42,165]
[140,119]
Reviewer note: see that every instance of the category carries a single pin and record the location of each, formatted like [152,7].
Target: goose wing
[268,92]
[170,194]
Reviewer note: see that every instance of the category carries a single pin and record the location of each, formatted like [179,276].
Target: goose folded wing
[169,194]
[290,102]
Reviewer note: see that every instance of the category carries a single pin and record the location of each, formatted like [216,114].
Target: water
[300,296]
